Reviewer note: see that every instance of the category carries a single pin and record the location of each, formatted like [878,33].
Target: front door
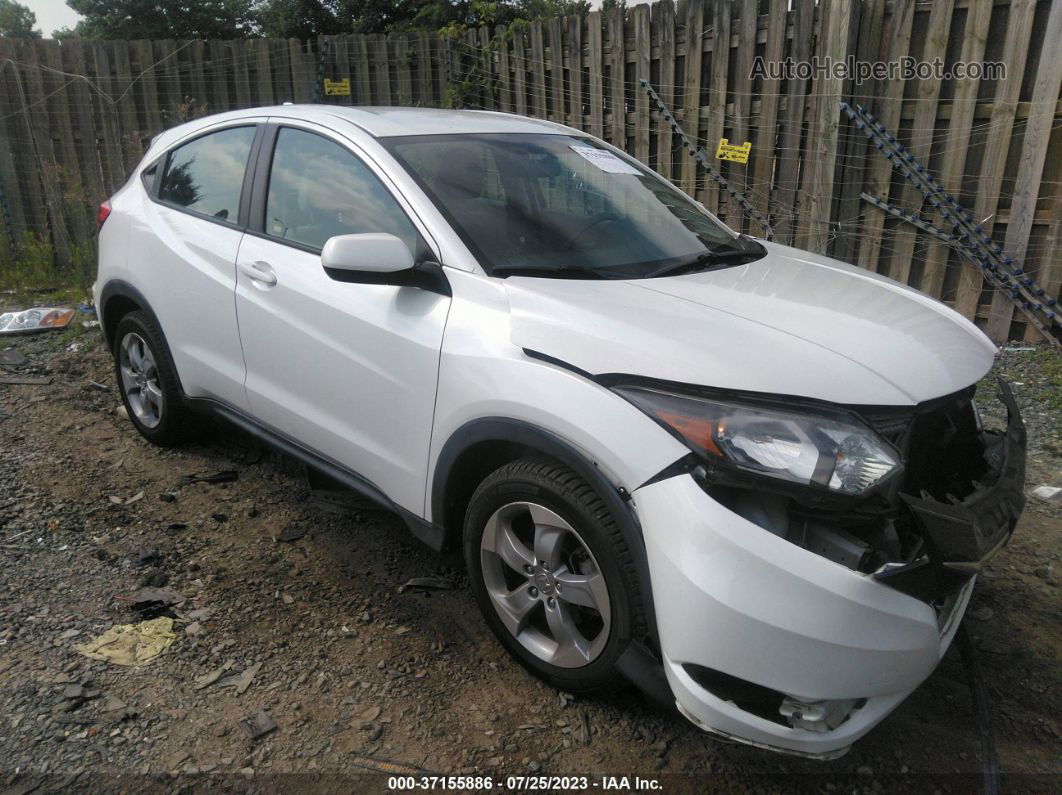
[348,370]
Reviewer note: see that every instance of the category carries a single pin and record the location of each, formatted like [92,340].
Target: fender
[505,429]
[120,288]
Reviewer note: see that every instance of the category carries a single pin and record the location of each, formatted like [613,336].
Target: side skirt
[429,533]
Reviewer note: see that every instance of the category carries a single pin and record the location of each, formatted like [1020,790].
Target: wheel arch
[481,446]
[117,299]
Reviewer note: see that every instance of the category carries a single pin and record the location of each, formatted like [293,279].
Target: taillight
[102,213]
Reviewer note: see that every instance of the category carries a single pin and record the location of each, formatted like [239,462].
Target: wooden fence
[76,116]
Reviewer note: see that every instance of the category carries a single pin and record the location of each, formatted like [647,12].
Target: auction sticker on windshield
[605,160]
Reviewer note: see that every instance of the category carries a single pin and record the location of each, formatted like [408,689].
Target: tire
[560,623]
[147,381]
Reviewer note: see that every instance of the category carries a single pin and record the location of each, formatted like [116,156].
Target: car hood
[791,323]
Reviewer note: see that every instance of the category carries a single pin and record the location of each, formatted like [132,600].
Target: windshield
[563,205]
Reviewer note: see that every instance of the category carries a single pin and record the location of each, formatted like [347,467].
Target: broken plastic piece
[258,725]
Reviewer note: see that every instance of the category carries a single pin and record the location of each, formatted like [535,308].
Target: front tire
[148,382]
[552,574]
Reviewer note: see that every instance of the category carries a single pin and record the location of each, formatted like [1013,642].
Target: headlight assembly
[835,451]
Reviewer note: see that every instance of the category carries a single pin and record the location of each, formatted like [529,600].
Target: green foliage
[300,19]
[149,19]
[17,21]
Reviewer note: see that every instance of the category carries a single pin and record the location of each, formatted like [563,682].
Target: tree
[17,21]
[149,19]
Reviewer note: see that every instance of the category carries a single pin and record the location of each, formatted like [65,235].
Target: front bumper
[735,599]
[739,606]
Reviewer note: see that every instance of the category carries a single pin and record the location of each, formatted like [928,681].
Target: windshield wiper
[717,258]
[554,270]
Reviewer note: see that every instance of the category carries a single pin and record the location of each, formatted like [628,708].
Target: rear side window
[206,175]
[318,189]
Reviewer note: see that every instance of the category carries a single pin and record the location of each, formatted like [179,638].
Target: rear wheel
[148,382]
[552,574]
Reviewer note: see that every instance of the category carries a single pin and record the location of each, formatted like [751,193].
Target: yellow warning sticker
[337,88]
[733,153]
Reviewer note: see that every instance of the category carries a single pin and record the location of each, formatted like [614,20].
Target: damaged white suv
[749,479]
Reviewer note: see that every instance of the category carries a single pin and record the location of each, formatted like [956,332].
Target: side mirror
[380,258]
[369,253]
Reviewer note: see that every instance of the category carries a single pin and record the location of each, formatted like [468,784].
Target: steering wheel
[596,220]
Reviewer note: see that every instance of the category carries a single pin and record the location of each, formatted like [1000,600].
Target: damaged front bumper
[962,535]
[773,644]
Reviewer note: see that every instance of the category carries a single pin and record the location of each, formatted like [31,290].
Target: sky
[52,14]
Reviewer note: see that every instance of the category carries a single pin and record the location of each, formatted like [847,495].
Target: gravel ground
[355,671]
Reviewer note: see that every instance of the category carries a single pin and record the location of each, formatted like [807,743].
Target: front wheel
[552,574]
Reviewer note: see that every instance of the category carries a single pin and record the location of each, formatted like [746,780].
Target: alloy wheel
[545,584]
[140,379]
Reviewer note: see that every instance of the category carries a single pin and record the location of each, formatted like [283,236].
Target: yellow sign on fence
[736,154]
[337,88]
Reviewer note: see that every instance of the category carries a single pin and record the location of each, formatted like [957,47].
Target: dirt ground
[356,671]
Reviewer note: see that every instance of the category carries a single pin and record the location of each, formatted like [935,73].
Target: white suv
[749,479]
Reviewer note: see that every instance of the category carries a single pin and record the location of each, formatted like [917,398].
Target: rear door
[183,256]
[348,370]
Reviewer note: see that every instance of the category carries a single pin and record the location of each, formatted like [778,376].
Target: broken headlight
[835,451]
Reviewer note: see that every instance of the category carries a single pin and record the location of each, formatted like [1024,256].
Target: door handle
[260,272]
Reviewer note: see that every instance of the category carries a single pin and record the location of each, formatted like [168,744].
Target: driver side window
[318,189]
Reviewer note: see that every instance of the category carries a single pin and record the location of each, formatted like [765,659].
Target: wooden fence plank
[361,83]
[23,203]
[822,129]
[43,152]
[264,72]
[617,84]
[556,71]
[383,76]
[920,142]
[742,81]
[596,95]
[574,59]
[506,99]
[642,49]
[198,74]
[1015,51]
[538,71]
[147,97]
[111,161]
[896,43]
[953,159]
[663,18]
[792,123]
[124,96]
[400,45]
[425,79]
[519,71]
[691,91]
[67,166]
[766,126]
[717,83]
[865,44]
[241,74]
[1030,169]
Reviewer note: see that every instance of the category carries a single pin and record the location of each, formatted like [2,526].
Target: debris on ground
[149,598]
[26,380]
[291,533]
[426,584]
[131,644]
[258,725]
[1047,493]
[31,321]
[11,358]
[211,677]
[224,476]
[242,680]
